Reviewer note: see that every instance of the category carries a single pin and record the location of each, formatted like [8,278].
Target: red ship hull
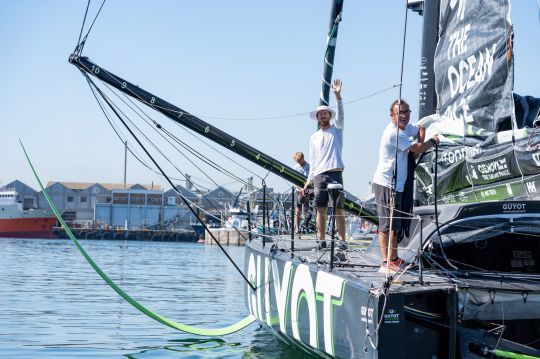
[33,227]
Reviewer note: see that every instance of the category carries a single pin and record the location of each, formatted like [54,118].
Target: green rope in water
[182,327]
[505,354]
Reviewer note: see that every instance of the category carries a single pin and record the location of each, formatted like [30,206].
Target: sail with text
[490,149]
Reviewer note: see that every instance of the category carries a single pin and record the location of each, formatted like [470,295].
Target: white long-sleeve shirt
[325,147]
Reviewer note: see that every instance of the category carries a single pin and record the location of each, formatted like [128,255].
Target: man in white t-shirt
[383,180]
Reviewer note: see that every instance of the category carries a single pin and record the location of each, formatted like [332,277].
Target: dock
[233,237]
[227,237]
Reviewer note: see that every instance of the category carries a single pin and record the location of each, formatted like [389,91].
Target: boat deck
[362,263]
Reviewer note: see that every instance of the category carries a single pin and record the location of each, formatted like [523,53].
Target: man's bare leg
[297,217]
[321,222]
[393,246]
[383,243]
[340,223]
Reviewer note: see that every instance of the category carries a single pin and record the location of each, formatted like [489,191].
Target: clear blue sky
[235,59]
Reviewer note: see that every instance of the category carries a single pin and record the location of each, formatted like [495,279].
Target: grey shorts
[383,196]
[321,182]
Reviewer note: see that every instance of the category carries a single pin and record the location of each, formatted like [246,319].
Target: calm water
[53,304]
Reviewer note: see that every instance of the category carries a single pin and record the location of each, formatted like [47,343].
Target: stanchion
[421,253]
[264,216]
[334,190]
[249,220]
[293,205]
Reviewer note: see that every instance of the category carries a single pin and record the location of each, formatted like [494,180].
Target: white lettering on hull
[290,289]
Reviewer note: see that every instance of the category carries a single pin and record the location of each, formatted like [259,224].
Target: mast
[430,35]
[335,18]
[205,129]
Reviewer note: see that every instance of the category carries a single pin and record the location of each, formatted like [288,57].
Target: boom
[205,129]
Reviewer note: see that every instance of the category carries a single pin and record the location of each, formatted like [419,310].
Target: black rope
[186,202]
[105,113]
[394,174]
[192,150]
[82,27]
[114,128]
[168,160]
[81,44]
[182,143]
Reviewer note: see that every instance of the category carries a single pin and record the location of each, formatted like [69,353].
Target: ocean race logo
[291,289]
[470,54]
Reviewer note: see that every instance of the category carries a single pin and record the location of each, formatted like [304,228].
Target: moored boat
[16,222]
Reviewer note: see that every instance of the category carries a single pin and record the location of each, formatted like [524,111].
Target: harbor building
[115,205]
[142,208]
[77,200]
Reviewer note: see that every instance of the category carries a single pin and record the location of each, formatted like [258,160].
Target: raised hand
[336,88]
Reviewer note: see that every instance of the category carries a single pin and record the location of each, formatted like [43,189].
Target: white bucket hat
[313,114]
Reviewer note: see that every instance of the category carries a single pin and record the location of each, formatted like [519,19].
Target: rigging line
[192,203]
[393,196]
[157,149]
[105,113]
[151,105]
[442,271]
[184,129]
[471,179]
[204,196]
[298,114]
[184,144]
[135,95]
[170,182]
[151,119]
[216,150]
[509,35]
[82,27]
[203,158]
[116,131]
[170,323]
[83,42]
